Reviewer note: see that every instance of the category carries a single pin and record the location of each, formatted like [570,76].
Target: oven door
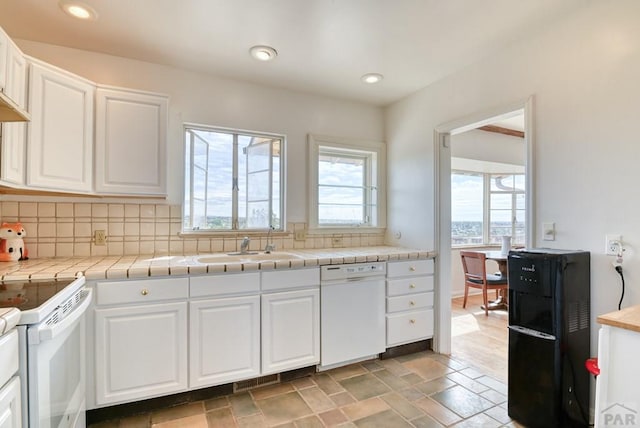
[56,367]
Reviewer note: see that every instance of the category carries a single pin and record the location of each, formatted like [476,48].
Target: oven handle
[48,332]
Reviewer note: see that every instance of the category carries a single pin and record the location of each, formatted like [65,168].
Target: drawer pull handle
[412,286]
[412,321]
[144,292]
[412,269]
[412,303]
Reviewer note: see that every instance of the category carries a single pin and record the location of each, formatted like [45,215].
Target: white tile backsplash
[65,229]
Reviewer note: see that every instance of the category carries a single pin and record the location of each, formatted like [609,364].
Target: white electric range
[51,334]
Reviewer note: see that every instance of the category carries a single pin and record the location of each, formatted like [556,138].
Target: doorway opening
[484,191]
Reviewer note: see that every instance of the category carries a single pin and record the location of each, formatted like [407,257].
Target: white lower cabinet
[10,409]
[224,340]
[290,330]
[410,315]
[140,349]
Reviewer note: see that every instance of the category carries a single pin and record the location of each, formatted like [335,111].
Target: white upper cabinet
[131,135]
[14,134]
[60,149]
[4,43]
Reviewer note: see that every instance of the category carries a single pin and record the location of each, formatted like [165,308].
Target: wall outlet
[300,235]
[336,241]
[100,237]
[613,244]
[548,231]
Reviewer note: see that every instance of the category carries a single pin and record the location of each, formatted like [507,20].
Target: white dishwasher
[352,313]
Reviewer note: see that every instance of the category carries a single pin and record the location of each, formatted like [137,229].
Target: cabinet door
[141,352]
[60,154]
[290,330]
[10,409]
[224,340]
[14,134]
[4,42]
[131,130]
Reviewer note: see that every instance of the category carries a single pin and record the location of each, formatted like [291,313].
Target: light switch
[548,231]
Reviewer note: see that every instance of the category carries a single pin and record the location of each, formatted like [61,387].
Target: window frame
[187,182]
[486,205]
[376,176]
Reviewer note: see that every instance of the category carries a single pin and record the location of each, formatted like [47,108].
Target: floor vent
[246,385]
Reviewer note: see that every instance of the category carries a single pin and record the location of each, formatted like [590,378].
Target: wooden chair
[475,276]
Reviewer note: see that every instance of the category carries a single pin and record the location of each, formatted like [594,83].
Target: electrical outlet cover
[612,244]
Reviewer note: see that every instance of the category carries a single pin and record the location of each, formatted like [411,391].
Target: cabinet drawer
[409,327]
[418,284]
[230,283]
[294,278]
[145,290]
[409,302]
[411,267]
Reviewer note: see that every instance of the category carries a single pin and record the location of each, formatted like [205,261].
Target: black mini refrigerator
[549,337]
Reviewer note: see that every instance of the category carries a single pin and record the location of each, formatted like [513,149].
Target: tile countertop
[122,267]
[628,318]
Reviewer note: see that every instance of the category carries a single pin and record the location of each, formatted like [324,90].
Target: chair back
[474,265]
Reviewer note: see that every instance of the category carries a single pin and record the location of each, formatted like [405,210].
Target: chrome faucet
[244,246]
[270,245]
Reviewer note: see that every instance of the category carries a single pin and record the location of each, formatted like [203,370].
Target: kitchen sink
[246,258]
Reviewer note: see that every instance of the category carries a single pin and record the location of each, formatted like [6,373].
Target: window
[346,184]
[233,180]
[485,207]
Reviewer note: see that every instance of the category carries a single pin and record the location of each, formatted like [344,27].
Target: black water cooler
[549,337]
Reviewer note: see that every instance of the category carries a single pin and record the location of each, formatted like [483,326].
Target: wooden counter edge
[628,318]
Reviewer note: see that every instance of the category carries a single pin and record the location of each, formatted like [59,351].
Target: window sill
[342,230]
[231,234]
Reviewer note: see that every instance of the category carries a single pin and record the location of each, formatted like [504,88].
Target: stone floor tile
[462,401]
[411,394]
[478,421]
[216,403]
[177,412]
[342,398]
[402,406]
[253,421]
[309,422]
[316,399]
[494,396]
[436,385]
[428,368]
[391,380]
[346,371]
[242,405]
[283,408]
[499,414]
[471,372]
[394,367]
[303,382]
[414,356]
[364,386]
[468,383]
[412,378]
[449,362]
[333,417]
[372,365]
[221,418]
[271,390]
[385,419]
[438,411]
[493,384]
[327,384]
[362,409]
[426,421]
[195,421]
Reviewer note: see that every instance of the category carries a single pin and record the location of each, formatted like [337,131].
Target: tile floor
[418,390]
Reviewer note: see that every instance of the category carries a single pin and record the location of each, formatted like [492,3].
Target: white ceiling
[324,46]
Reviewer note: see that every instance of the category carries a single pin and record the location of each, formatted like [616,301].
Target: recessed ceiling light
[372,78]
[78,10]
[263,53]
